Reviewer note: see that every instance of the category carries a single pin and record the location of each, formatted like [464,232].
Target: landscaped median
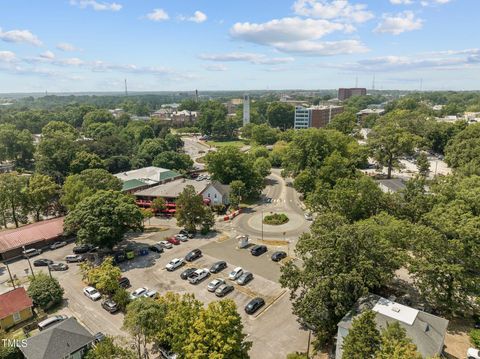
[276,219]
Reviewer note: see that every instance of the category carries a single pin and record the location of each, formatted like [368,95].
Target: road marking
[270,305]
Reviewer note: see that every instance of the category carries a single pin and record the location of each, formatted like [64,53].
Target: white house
[217,193]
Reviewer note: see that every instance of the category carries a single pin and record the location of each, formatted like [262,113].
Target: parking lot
[273,330]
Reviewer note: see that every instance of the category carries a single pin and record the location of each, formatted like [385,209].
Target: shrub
[475,337]
[276,219]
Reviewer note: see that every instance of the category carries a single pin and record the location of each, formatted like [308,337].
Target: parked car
[110,306]
[236,273]
[92,293]
[83,248]
[74,258]
[165,244]
[99,337]
[245,278]
[258,250]
[31,252]
[308,216]
[473,353]
[173,240]
[198,276]
[58,245]
[42,262]
[157,248]
[187,233]
[254,305]
[124,282]
[58,266]
[137,293]
[151,294]
[195,254]
[174,264]
[187,273]
[218,266]
[214,284]
[167,354]
[278,256]
[44,324]
[223,290]
[181,237]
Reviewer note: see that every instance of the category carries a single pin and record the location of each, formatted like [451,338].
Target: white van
[44,324]
[31,252]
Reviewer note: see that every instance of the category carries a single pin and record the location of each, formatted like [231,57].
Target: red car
[173,240]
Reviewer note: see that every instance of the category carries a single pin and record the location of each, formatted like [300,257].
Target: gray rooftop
[392,185]
[224,189]
[58,341]
[427,331]
[172,189]
[144,174]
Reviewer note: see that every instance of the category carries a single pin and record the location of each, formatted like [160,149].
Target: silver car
[214,284]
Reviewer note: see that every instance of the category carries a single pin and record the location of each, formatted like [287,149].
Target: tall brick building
[316,116]
[346,93]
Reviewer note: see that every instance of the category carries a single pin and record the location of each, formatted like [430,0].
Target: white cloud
[323,48]
[401,2]
[336,9]
[48,55]
[97,5]
[399,23]
[20,36]
[434,2]
[215,67]
[256,59]
[7,56]
[64,46]
[158,15]
[198,17]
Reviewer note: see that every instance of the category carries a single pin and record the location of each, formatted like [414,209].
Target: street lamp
[29,264]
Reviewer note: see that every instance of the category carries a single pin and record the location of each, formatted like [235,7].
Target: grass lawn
[219,144]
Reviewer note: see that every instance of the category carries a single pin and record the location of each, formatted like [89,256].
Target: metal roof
[31,233]
[172,189]
[14,301]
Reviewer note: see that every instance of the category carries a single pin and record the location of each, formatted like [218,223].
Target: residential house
[217,193]
[426,331]
[15,307]
[66,340]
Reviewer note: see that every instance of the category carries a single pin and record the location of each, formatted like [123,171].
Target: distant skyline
[170,45]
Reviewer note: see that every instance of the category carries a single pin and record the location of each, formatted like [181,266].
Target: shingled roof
[14,301]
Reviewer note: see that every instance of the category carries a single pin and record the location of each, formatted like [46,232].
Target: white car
[308,216]
[151,294]
[199,275]
[58,245]
[236,273]
[181,237]
[165,244]
[137,293]
[174,264]
[214,284]
[92,293]
[473,353]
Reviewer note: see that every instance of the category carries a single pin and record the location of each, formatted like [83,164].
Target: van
[31,252]
[44,324]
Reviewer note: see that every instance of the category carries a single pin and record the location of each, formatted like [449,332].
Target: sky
[179,45]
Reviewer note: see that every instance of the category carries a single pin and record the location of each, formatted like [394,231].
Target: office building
[346,93]
[316,116]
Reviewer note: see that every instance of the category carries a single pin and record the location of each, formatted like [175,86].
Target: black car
[110,306]
[124,282]
[195,254]
[83,248]
[156,248]
[187,233]
[42,262]
[187,273]
[258,250]
[58,266]
[218,266]
[278,256]
[223,290]
[254,305]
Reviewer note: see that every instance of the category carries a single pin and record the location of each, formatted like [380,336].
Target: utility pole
[10,274]
[262,224]
[29,263]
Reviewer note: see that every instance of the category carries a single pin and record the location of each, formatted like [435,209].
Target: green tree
[262,166]
[280,115]
[344,122]
[213,119]
[423,165]
[42,194]
[13,188]
[104,277]
[389,141]
[264,134]
[396,345]
[297,356]
[103,218]
[363,339]
[190,209]
[80,186]
[15,145]
[85,160]
[463,150]
[142,320]
[208,220]
[218,333]
[173,161]
[97,116]
[45,291]
[159,204]
[122,298]
[107,349]
[149,149]
[237,193]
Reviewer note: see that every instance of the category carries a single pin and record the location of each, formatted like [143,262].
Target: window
[215,195]
[209,195]
[16,317]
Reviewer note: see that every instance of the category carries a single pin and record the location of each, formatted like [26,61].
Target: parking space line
[270,305]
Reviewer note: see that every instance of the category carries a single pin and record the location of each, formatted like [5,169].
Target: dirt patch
[457,340]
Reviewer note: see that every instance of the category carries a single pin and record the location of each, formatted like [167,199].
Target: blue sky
[93,45]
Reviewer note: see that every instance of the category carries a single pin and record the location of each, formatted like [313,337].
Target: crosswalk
[279,200]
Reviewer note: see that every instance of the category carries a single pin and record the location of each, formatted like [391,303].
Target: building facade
[15,307]
[316,116]
[346,93]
